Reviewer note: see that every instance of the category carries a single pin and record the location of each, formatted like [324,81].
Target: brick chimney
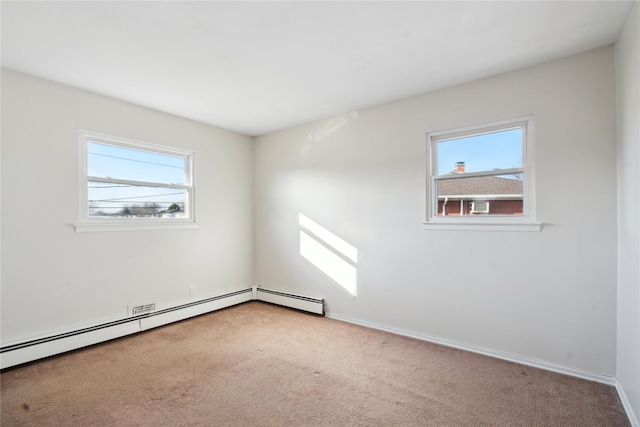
[460,167]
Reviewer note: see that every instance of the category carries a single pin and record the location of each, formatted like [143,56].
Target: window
[134,185]
[480,207]
[481,177]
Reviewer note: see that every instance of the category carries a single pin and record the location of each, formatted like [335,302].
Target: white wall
[628,90]
[55,279]
[548,295]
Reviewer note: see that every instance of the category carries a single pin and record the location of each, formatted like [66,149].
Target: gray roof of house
[481,185]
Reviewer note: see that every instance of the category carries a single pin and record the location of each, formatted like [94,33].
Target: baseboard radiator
[30,350]
[287,299]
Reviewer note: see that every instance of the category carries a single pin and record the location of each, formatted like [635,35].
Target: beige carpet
[261,365]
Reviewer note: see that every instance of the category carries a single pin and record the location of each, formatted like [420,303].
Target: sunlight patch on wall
[331,254]
[329,238]
[333,125]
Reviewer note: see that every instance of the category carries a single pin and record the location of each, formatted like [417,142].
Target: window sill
[483,226]
[88,227]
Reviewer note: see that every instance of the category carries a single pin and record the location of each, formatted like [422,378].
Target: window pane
[497,150]
[138,165]
[134,201]
[482,195]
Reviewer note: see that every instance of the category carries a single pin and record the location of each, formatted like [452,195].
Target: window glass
[485,152]
[126,163]
[135,201]
[471,196]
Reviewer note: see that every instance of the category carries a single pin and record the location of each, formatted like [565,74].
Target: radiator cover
[149,317]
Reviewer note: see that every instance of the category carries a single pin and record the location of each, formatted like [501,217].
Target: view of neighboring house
[480,195]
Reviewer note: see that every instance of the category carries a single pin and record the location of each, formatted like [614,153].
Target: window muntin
[130,181]
[482,174]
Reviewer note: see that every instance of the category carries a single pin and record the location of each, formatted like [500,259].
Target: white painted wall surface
[628,98]
[54,279]
[548,295]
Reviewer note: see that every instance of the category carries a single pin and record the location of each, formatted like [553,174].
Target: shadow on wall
[328,252]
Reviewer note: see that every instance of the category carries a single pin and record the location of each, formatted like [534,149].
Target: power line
[139,161]
[112,186]
[136,197]
[129,204]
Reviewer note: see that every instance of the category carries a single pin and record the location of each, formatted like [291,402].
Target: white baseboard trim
[548,366]
[633,419]
[49,345]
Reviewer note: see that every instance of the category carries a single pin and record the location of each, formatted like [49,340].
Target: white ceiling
[255,67]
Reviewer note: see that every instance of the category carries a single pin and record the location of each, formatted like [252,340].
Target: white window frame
[87,223]
[525,222]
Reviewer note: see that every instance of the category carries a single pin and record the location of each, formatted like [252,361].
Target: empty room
[320,213]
